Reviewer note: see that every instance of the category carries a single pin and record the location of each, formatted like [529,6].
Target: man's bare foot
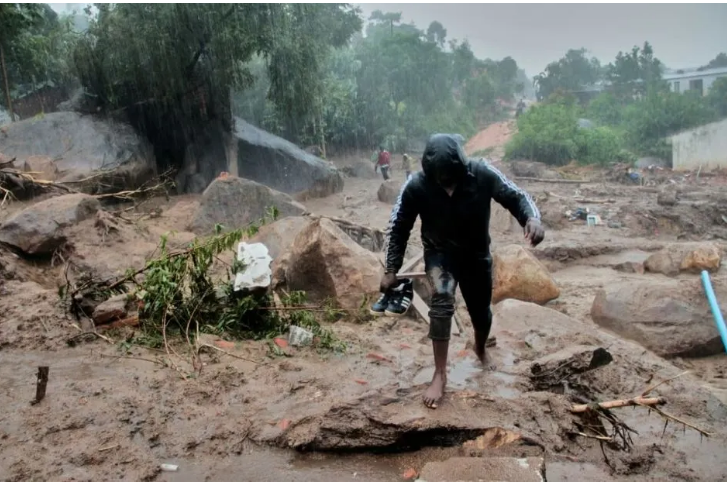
[480,341]
[481,353]
[435,392]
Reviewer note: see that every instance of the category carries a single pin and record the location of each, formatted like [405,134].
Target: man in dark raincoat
[452,195]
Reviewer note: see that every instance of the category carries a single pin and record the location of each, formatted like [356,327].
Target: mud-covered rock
[517,274]
[39,229]
[667,198]
[491,469]
[277,163]
[389,192]
[236,202]
[669,317]
[327,263]
[81,146]
[501,220]
[674,259]
[110,310]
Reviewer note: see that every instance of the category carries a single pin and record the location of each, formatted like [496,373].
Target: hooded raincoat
[457,224]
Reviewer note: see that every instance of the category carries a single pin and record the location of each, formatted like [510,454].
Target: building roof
[717,71]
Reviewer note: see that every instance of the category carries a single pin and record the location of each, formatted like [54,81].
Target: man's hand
[534,231]
[387,282]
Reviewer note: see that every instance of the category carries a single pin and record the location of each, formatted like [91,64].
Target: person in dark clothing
[452,195]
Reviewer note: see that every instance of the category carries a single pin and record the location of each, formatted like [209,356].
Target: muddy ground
[249,415]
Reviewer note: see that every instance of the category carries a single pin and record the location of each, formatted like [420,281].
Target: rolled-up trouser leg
[444,285]
[476,286]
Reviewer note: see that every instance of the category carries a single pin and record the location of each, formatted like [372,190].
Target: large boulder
[669,317]
[693,258]
[327,263]
[501,220]
[517,274]
[273,161]
[38,229]
[279,236]
[81,146]
[389,192]
[235,202]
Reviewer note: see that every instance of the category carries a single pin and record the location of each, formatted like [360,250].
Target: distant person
[452,196]
[383,161]
[520,108]
[406,164]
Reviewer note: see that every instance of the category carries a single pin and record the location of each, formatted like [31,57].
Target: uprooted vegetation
[180,295]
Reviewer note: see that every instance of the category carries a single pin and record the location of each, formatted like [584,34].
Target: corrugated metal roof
[695,74]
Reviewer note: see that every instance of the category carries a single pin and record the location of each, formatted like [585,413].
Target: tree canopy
[573,72]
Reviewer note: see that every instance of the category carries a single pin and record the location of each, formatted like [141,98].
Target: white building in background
[703,147]
[694,80]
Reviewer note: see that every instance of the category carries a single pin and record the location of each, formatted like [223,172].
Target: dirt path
[113,415]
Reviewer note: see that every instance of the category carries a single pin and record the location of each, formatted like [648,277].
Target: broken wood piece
[421,307]
[410,275]
[41,384]
[626,402]
[132,320]
[554,180]
[409,265]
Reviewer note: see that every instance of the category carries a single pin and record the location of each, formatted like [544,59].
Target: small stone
[110,310]
[409,474]
[224,345]
[377,357]
[280,342]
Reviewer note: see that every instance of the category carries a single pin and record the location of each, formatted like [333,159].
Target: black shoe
[379,307]
[400,299]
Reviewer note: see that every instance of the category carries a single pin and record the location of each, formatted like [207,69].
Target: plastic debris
[170,467]
[299,336]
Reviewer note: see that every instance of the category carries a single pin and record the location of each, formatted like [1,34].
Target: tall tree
[573,72]
[171,66]
[635,72]
[719,61]
[15,18]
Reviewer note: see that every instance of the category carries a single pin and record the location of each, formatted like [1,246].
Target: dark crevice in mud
[408,441]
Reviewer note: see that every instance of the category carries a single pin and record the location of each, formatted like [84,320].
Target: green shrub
[547,134]
[599,145]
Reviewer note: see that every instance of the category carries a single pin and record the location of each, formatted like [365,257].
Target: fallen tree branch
[652,387]
[670,417]
[627,402]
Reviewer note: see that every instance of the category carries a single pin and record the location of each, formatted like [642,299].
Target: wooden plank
[420,306]
[409,265]
[411,275]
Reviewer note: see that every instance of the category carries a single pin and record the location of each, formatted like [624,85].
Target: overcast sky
[683,35]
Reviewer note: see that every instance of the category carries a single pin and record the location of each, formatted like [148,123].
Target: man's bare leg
[435,392]
[480,342]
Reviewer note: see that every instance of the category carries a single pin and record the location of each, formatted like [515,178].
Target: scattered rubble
[236,202]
